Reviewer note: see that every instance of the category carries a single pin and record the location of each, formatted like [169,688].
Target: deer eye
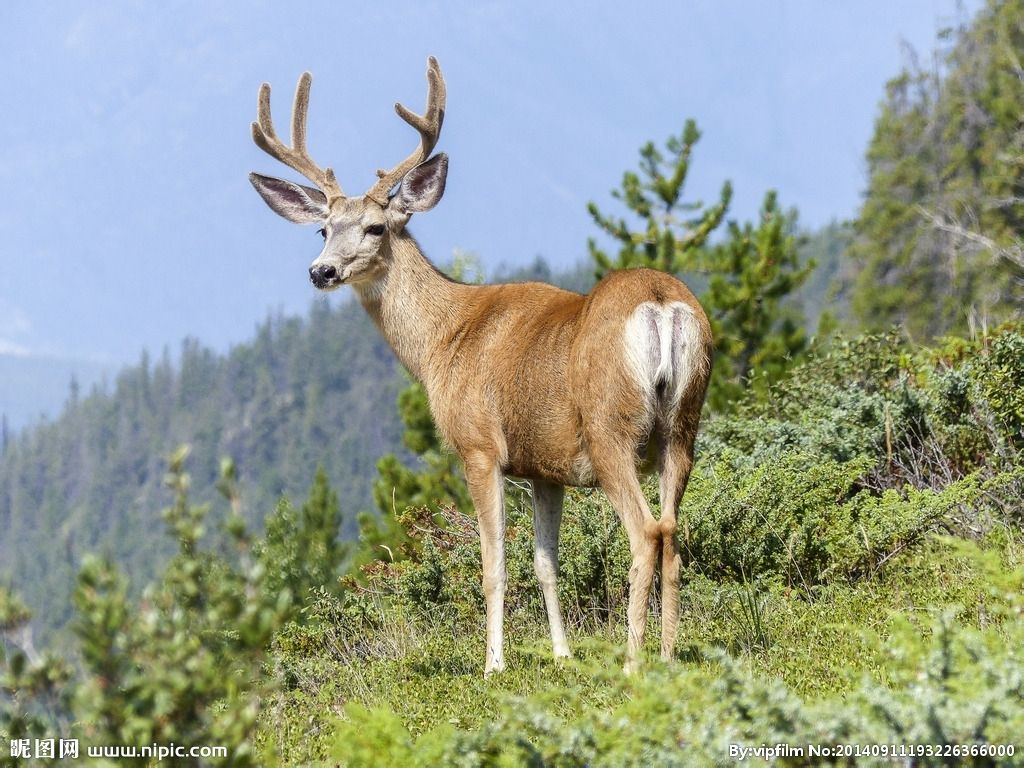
[376,230]
[323,233]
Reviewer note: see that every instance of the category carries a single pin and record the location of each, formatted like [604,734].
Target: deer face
[356,230]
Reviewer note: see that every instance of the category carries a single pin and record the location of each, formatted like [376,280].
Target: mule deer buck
[526,380]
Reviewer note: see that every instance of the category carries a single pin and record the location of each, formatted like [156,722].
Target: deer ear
[298,204]
[423,186]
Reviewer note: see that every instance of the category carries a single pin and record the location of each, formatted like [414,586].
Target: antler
[296,156]
[429,126]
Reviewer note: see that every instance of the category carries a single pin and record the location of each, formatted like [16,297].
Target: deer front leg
[485,482]
[547,518]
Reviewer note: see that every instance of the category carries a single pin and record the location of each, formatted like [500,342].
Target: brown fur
[524,379]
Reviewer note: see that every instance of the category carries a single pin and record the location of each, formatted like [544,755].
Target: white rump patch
[661,343]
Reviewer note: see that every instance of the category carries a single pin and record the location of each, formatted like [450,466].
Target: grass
[426,673]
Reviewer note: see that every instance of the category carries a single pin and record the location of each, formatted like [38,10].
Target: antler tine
[296,156]
[429,126]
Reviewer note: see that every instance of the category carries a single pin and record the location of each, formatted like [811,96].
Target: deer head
[356,230]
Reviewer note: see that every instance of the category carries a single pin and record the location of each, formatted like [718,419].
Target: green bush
[779,520]
[926,417]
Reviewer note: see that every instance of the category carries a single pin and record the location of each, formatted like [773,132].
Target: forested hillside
[302,393]
[938,245]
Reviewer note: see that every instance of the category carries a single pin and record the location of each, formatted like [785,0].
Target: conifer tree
[673,232]
[302,550]
[748,276]
[438,482]
[320,525]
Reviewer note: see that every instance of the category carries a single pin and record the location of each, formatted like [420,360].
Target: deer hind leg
[675,463]
[485,482]
[547,518]
[669,362]
[618,478]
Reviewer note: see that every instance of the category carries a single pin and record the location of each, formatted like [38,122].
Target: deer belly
[548,449]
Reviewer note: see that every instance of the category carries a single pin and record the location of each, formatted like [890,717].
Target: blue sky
[126,220]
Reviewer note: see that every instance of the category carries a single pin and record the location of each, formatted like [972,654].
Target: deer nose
[322,274]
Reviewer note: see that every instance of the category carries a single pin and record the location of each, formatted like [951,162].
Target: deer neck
[412,303]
